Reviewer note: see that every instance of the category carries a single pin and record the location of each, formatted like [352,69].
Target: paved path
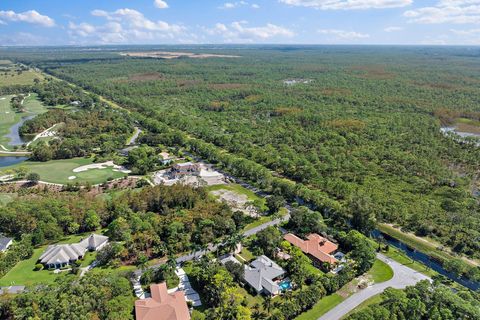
[403,276]
[133,139]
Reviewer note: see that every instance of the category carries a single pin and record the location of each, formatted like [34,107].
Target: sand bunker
[72,178]
[101,166]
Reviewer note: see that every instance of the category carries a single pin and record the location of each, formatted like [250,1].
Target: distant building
[5,243]
[12,289]
[180,170]
[162,305]
[263,275]
[166,158]
[318,248]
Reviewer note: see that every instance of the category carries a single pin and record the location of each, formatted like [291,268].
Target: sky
[106,22]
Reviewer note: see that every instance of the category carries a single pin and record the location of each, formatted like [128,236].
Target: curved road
[403,276]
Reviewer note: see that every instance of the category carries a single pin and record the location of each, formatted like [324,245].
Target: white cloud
[239,32]
[30,16]
[344,35]
[124,26]
[348,4]
[447,11]
[160,4]
[238,4]
[393,29]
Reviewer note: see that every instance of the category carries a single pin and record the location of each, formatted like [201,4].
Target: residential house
[166,158]
[94,242]
[318,248]
[5,243]
[181,170]
[62,255]
[263,275]
[162,305]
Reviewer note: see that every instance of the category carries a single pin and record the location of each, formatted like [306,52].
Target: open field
[251,196]
[25,78]
[175,55]
[59,171]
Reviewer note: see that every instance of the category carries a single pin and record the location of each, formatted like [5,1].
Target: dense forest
[363,133]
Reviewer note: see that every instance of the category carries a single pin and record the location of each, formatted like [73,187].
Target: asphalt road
[403,276]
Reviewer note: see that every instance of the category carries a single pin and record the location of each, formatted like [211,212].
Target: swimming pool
[285,285]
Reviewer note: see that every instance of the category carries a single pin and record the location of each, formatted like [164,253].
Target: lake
[14,135]
[8,161]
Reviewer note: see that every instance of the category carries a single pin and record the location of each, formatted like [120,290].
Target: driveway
[402,277]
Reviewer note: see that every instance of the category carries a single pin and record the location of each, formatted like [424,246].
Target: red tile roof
[162,305]
[315,245]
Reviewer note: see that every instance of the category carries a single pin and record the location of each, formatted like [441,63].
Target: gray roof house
[58,256]
[5,243]
[61,255]
[261,275]
[94,242]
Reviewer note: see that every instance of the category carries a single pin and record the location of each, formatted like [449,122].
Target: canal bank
[426,260]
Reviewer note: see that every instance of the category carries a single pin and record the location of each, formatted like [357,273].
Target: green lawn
[58,171]
[23,272]
[322,307]
[246,255]
[380,272]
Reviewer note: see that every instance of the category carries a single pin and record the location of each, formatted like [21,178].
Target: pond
[14,134]
[426,260]
[9,161]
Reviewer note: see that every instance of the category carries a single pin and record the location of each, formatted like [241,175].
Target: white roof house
[261,275]
[5,243]
[61,255]
[57,256]
[94,242]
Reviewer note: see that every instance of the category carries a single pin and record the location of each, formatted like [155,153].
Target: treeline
[104,296]
[424,301]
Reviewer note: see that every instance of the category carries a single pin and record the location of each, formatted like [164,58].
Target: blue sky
[92,22]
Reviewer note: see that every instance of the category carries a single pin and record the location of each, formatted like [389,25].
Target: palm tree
[171,262]
[267,304]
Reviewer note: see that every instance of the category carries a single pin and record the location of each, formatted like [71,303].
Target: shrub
[38,267]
